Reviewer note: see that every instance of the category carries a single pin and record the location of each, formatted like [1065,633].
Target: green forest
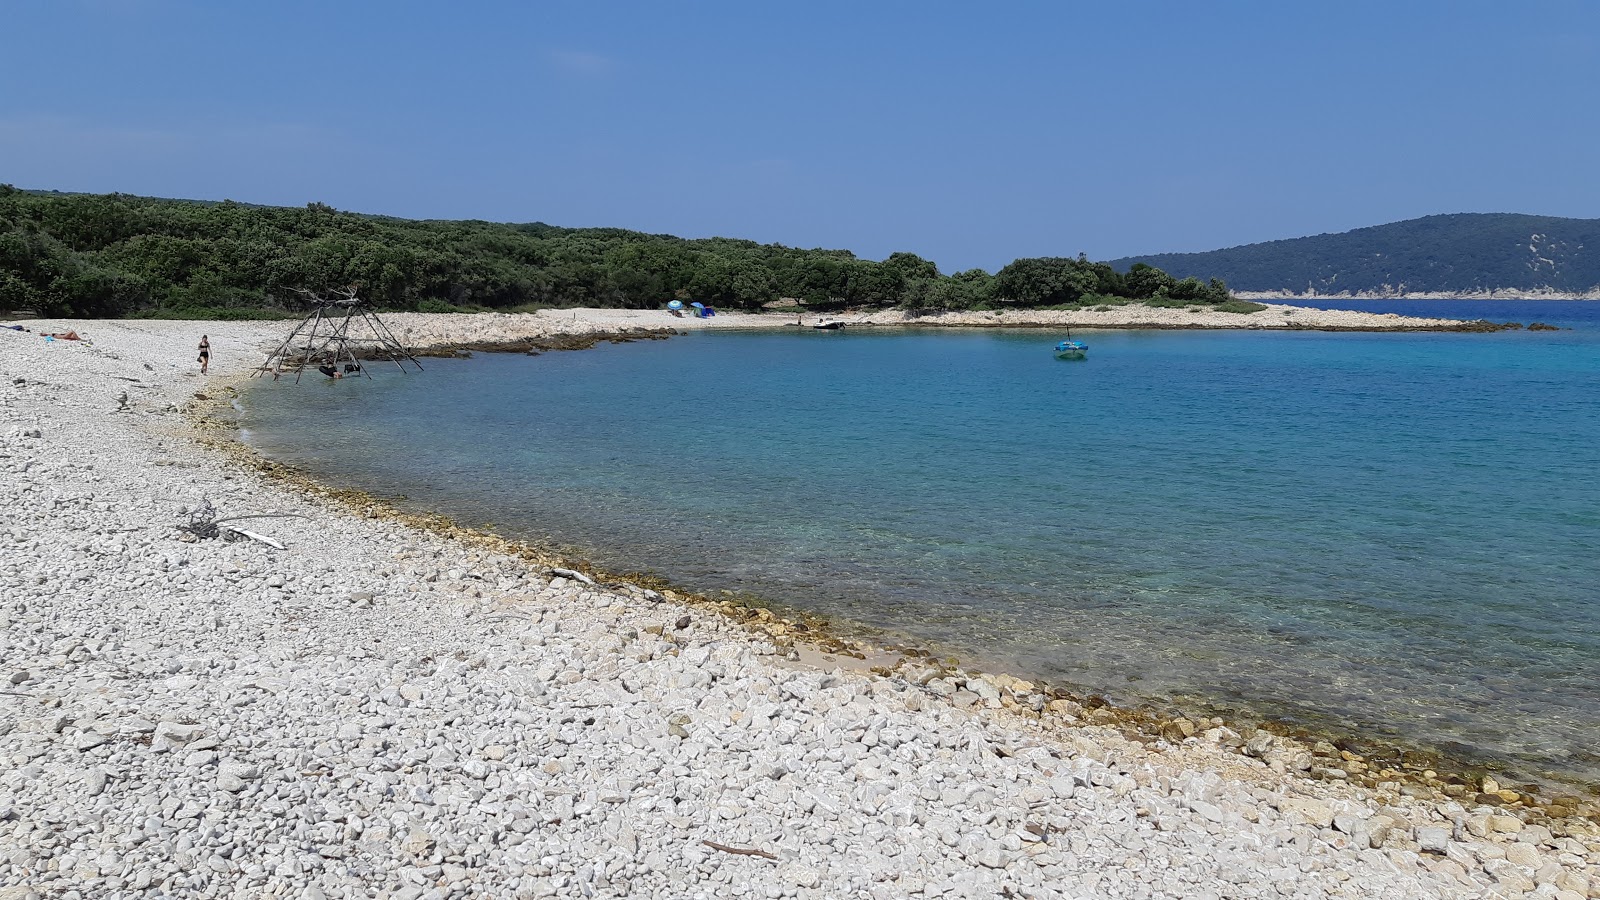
[111,255]
[1461,253]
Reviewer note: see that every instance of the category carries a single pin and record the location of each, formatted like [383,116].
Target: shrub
[1239,306]
[432,305]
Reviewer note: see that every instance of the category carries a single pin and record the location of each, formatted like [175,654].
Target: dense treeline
[115,255]
[1463,253]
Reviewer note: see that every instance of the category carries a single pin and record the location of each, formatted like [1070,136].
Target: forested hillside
[114,255]
[1461,253]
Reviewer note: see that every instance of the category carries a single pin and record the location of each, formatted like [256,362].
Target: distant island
[1461,255]
[115,255]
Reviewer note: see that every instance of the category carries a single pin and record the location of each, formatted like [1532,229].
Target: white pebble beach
[379,710]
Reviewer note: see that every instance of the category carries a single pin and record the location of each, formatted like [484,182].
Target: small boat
[1072,350]
[827,326]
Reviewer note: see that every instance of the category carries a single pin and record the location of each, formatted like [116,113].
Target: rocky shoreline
[1401,294]
[424,330]
[1275,318]
[393,707]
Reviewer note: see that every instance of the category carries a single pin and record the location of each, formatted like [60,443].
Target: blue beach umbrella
[698,305]
[676,304]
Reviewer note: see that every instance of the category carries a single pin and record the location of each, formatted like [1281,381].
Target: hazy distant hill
[1460,254]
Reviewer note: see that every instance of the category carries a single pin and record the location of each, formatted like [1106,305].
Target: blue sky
[969,133]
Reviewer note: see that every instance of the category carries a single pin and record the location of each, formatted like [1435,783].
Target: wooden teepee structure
[340,331]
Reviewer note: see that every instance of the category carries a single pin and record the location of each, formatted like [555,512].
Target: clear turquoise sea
[1395,535]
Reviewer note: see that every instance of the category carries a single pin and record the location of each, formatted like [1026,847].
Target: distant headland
[1490,256]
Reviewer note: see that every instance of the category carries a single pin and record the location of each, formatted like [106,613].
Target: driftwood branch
[741,851]
[204,523]
[253,535]
[575,576]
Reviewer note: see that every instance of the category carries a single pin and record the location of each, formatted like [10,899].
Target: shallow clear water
[1391,532]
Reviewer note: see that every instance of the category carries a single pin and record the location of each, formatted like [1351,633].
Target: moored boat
[1072,350]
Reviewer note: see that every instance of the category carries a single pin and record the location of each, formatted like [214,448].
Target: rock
[1525,855]
[800,875]
[965,699]
[88,740]
[1065,707]
[172,735]
[1505,824]
[1433,840]
[993,857]
[20,676]
[418,843]
[198,759]
[984,688]
[677,725]
[1178,730]
[1259,744]
[234,776]
[1576,882]
[1509,876]
[1311,812]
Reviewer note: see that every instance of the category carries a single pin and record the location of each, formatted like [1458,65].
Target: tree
[1046,281]
[93,293]
[16,293]
[1188,290]
[910,266]
[109,254]
[1144,281]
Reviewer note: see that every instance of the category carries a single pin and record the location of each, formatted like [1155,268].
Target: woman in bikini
[205,353]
